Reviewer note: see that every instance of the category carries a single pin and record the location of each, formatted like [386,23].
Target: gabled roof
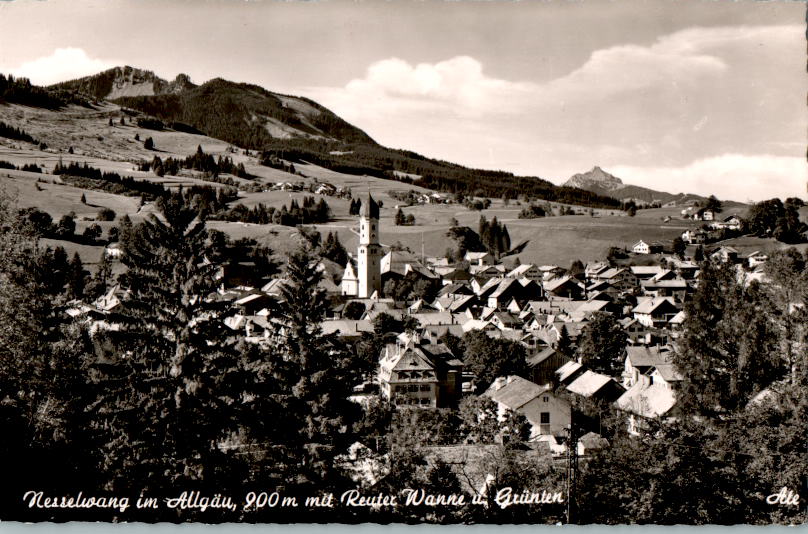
[589,383]
[542,356]
[349,273]
[515,392]
[554,284]
[471,256]
[521,270]
[567,370]
[647,400]
[651,305]
[346,327]
[646,356]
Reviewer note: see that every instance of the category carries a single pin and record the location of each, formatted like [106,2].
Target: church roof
[370,210]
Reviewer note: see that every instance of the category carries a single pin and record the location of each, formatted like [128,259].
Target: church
[366,281]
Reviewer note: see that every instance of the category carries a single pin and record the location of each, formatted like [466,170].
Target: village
[543,308]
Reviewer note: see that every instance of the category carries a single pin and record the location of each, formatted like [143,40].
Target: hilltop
[299,130]
[603,183]
[125,81]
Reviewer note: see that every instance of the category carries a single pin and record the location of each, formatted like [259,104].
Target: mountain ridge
[601,182]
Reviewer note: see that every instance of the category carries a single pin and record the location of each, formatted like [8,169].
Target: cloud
[691,96]
[458,83]
[740,177]
[61,65]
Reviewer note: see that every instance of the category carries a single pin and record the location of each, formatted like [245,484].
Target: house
[621,279]
[694,237]
[479,258]
[645,400]
[756,258]
[505,321]
[527,270]
[645,272]
[113,251]
[591,443]
[486,271]
[399,263]
[542,365]
[592,270]
[641,247]
[420,374]
[347,329]
[569,372]
[642,361]
[637,333]
[655,311]
[725,255]
[564,288]
[546,412]
[240,274]
[676,288]
[594,385]
[509,289]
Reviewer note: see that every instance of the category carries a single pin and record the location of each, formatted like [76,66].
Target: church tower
[370,251]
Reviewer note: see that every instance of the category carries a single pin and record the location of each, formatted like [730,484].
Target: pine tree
[77,277]
[178,402]
[564,343]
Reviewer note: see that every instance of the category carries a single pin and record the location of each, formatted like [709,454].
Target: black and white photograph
[433,262]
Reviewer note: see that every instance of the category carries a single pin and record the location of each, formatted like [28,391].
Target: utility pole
[572,470]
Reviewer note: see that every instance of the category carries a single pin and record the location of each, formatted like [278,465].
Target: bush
[106,214]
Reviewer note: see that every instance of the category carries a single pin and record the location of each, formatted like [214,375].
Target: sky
[698,96]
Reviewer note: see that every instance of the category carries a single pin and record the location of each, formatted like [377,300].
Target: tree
[83,199]
[35,222]
[66,227]
[679,247]
[148,144]
[713,204]
[316,383]
[333,250]
[490,358]
[729,346]
[602,343]
[564,343]
[400,218]
[105,214]
[577,270]
[166,421]
[77,277]
[354,310]
[92,232]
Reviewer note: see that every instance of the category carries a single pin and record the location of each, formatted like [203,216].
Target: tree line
[11,132]
[311,212]
[199,161]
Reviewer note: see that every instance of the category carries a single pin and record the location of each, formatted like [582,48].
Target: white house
[546,412]
[641,247]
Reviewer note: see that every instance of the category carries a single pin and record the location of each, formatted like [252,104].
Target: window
[545,418]
[425,387]
[413,388]
[546,399]
[424,401]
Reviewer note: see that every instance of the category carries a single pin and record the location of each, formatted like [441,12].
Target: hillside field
[550,240]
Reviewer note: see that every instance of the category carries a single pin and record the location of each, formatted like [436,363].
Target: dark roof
[370,210]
